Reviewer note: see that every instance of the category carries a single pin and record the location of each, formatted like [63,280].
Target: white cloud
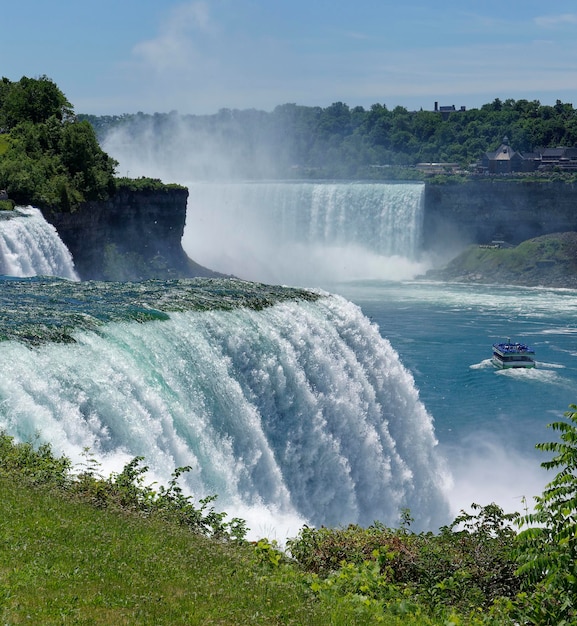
[553,21]
[175,47]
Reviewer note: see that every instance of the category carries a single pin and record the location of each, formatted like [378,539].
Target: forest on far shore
[344,142]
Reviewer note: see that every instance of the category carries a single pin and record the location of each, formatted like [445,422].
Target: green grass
[78,548]
[66,562]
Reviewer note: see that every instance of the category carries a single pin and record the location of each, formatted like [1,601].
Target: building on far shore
[445,111]
[506,160]
[562,158]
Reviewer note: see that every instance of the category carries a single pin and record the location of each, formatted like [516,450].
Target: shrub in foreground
[122,491]
[477,570]
[547,548]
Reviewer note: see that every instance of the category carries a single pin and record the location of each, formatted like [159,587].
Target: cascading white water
[306,233]
[299,412]
[30,246]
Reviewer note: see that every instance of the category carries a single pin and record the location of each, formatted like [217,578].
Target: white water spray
[305,233]
[30,246]
[297,413]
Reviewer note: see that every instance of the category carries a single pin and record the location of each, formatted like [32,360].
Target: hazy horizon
[197,57]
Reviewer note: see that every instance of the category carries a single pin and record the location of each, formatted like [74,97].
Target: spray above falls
[306,233]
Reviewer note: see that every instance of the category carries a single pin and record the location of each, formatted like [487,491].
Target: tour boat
[508,354]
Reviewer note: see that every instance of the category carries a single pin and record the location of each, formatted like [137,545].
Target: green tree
[33,99]
[82,156]
[547,548]
[49,158]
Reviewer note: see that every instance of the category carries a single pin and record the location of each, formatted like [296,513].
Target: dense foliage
[477,570]
[144,183]
[340,141]
[547,548]
[47,156]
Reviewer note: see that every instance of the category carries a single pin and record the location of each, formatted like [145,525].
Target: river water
[487,420]
[334,410]
[361,240]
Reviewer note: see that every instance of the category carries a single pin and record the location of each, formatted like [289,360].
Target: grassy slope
[550,260]
[64,562]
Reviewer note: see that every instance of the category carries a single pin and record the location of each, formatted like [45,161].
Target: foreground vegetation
[78,548]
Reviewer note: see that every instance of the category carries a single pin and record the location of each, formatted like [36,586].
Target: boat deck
[513,354]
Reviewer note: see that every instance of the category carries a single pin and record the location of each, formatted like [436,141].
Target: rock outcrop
[546,261]
[135,235]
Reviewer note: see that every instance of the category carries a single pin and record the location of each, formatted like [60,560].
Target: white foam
[30,246]
[300,411]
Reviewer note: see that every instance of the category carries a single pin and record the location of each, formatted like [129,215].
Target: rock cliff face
[486,210]
[137,235]
[134,235]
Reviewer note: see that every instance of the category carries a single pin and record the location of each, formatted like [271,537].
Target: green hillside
[339,141]
[67,562]
[550,261]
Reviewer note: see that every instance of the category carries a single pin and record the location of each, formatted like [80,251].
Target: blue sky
[124,56]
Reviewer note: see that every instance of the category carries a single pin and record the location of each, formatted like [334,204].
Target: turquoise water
[293,408]
[41,309]
[487,420]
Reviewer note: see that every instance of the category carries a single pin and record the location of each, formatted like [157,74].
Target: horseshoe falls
[307,233]
[30,246]
[287,404]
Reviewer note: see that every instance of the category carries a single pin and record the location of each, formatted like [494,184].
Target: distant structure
[438,168]
[506,160]
[562,158]
[445,111]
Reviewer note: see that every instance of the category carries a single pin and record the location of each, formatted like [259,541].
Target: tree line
[341,141]
[48,157]
[52,157]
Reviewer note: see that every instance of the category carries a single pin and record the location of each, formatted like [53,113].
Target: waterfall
[306,233]
[289,409]
[29,246]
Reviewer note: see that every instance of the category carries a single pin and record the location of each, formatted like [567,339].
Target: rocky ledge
[134,235]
